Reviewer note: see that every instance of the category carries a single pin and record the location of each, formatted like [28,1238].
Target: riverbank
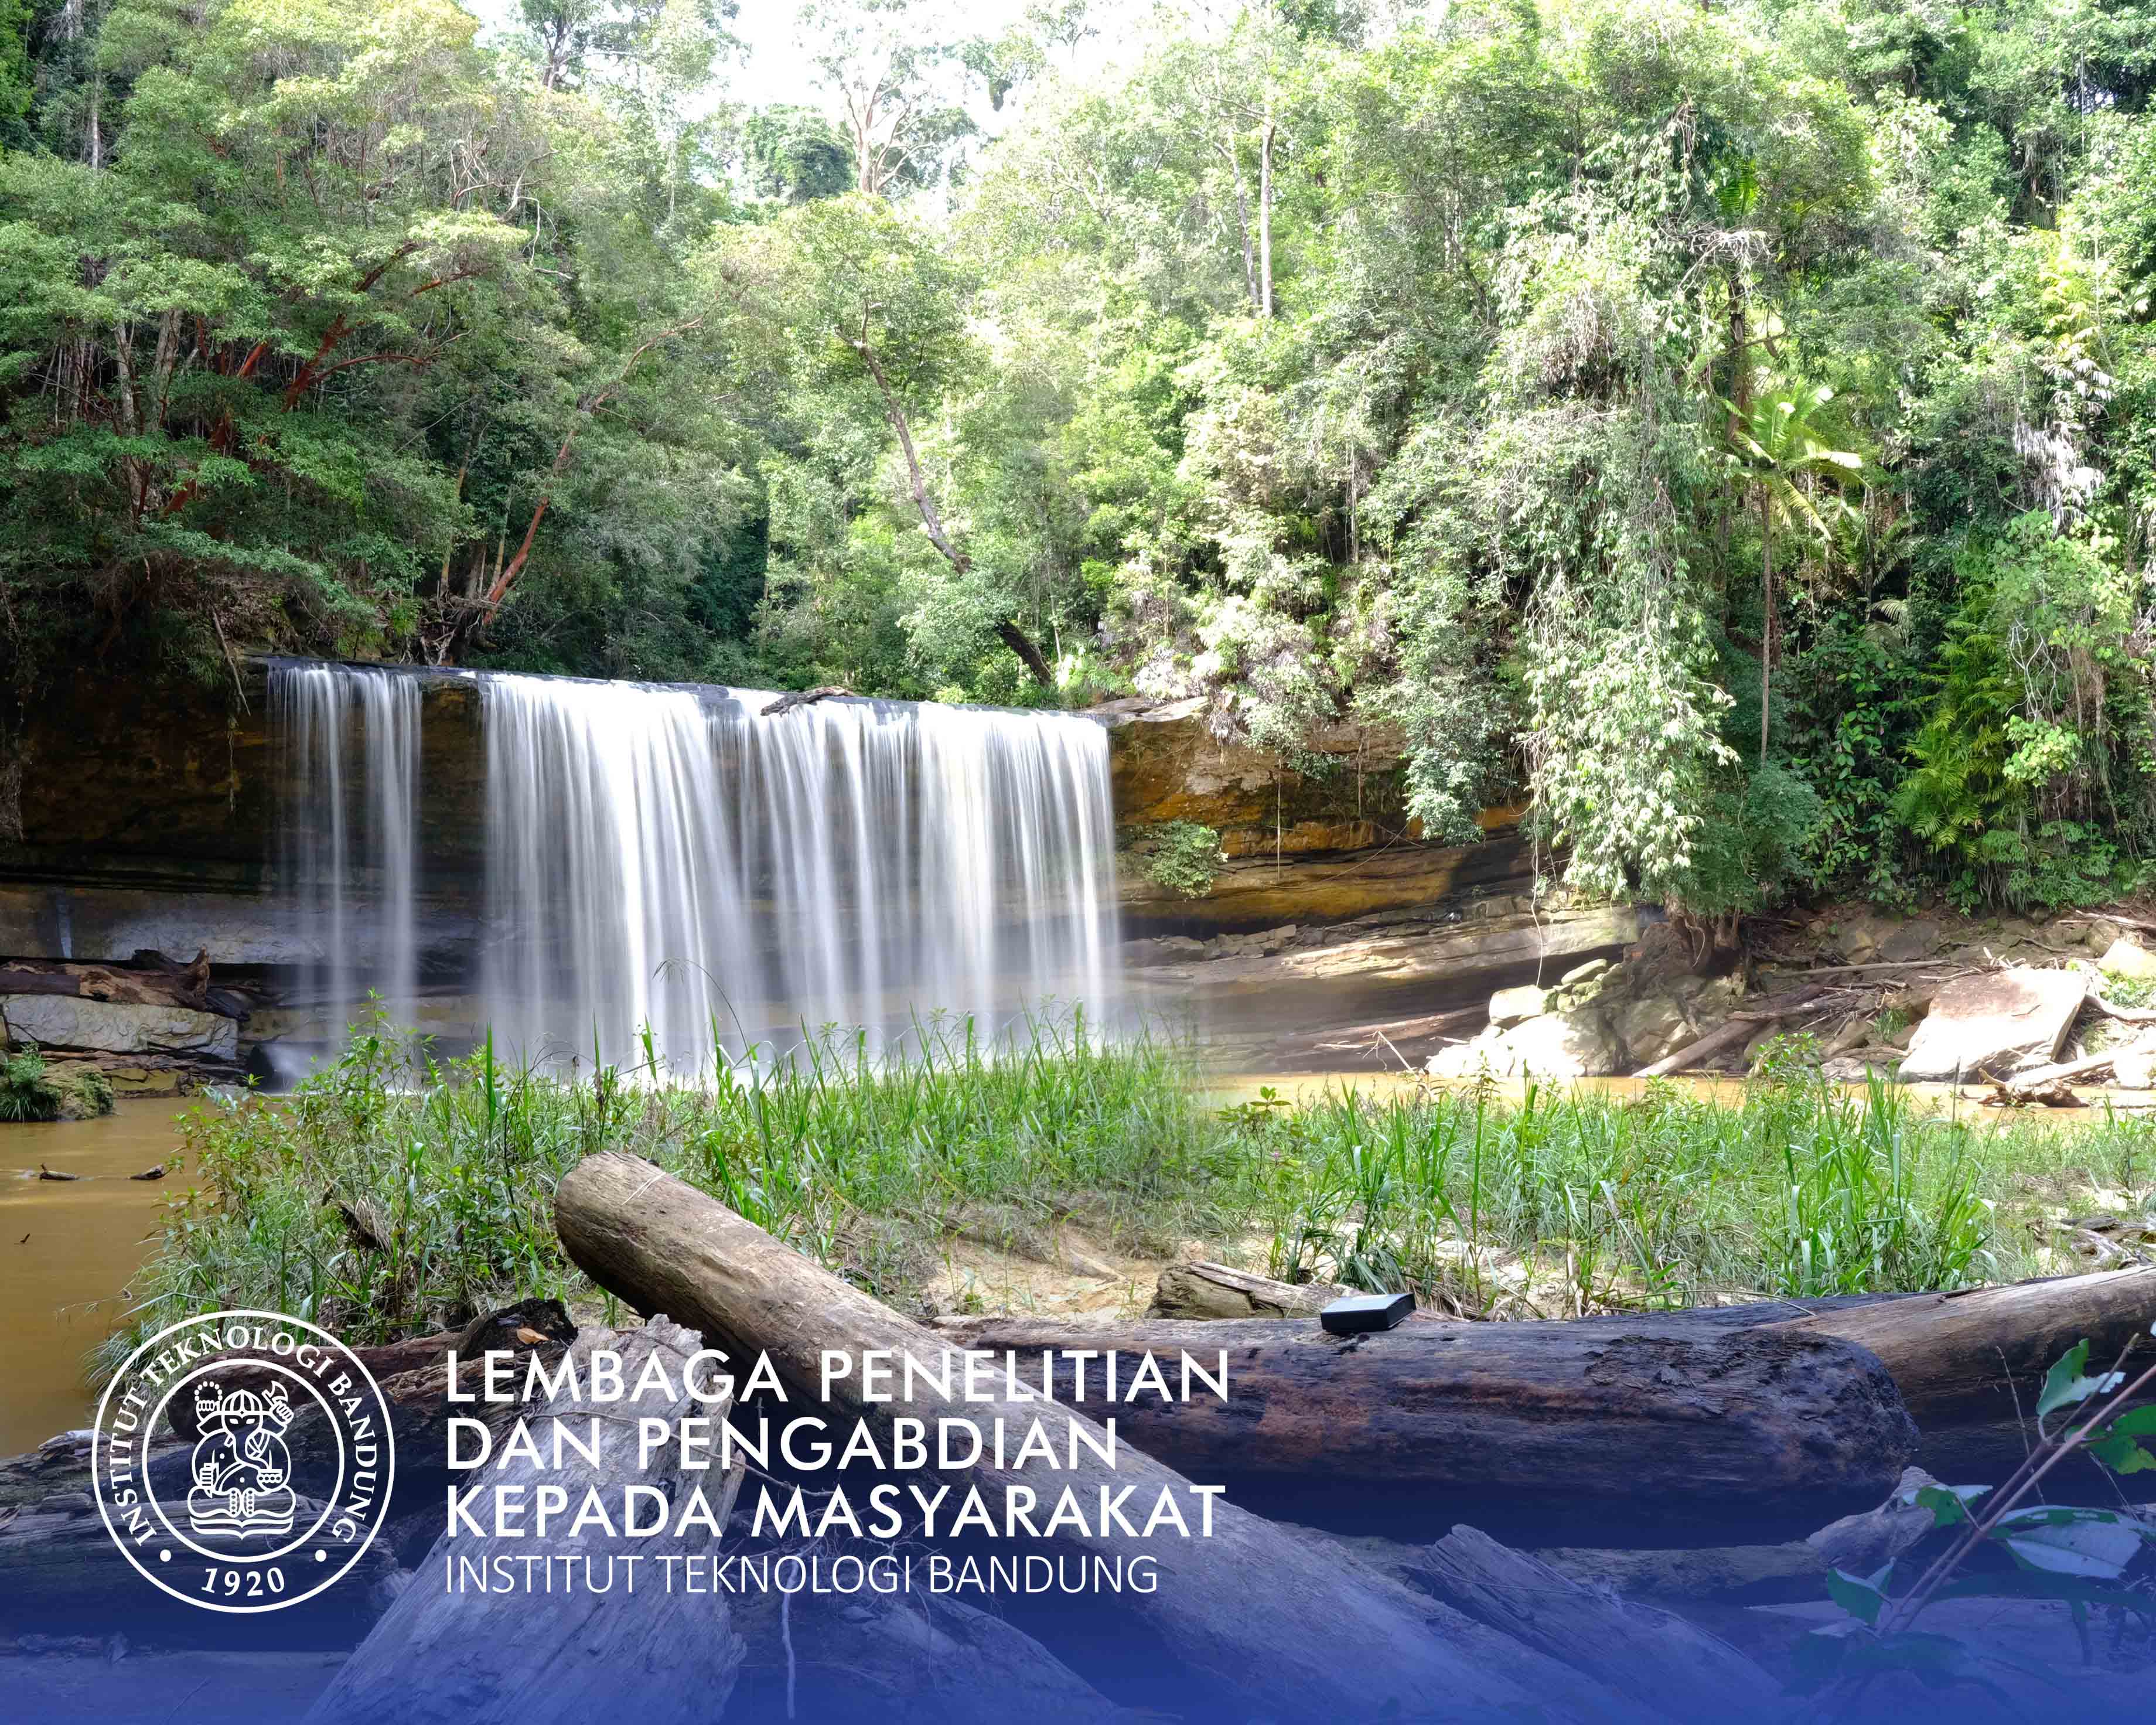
[1062,1174]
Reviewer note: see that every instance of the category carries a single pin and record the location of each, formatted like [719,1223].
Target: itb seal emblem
[243,1461]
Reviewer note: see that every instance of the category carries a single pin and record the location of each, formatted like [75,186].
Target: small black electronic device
[1360,1313]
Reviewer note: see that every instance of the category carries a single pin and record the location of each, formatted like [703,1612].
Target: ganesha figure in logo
[242,1478]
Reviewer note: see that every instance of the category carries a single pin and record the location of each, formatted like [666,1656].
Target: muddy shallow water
[67,1250]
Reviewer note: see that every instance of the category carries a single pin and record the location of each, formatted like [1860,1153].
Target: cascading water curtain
[348,840]
[669,858]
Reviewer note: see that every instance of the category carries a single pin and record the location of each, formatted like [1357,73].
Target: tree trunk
[1274,1624]
[1680,1672]
[60,1572]
[1499,1407]
[1265,213]
[917,1659]
[1016,639]
[441,1656]
[1767,624]
[1635,1411]
[1970,1365]
[1213,1292]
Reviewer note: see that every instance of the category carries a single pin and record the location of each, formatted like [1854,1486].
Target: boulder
[1855,1032]
[1996,1022]
[1652,1028]
[115,1027]
[1511,1006]
[1586,973]
[1487,1056]
[2126,957]
[2134,1068]
[1912,940]
[1565,1045]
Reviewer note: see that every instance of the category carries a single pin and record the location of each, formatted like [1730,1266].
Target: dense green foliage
[1725,427]
[388,1195]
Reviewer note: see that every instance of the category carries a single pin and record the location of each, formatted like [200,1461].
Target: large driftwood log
[1675,1670]
[150,979]
[59,1570]
[531,1656]
[1971,1365]
[1506,1407]
[1627,1411]
[1274,1624]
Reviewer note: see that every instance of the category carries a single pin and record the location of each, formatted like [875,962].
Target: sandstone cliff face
[1324,846]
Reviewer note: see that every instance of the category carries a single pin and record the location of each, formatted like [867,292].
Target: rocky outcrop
[1368,993]
[1995,1024]
[1323,845]
[1599,1020]
[116,1026]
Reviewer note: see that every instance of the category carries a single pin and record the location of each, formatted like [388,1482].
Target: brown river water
[67,1250]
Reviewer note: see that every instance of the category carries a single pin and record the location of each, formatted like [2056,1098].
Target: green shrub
[1180,856]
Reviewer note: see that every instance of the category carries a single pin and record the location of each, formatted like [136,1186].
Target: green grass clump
[392,1194]
[32,1090]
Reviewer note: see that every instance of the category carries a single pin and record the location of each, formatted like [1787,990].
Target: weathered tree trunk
[1627,1410]
[1657,1659]
[150,979]
[1970,1365]
[441,1656]
[60,1570]
[1212,1291]
[1512,1407]
[1271,1621]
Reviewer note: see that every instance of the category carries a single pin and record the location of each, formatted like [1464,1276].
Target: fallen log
[1655,1658]
[1970,1365]
[518,1657]
[1210,1290]
[1636,1412]
[150,979]
[1741,1028]
[2031,1086]
[1511,1407]
[1271,1624]
[59,1567]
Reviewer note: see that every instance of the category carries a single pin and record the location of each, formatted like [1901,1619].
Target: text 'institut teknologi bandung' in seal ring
[192,1458]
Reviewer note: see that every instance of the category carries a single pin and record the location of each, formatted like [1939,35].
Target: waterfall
[667,857]
[347,850]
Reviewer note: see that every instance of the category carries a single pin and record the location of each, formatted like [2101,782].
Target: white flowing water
[667,858]
[348,843]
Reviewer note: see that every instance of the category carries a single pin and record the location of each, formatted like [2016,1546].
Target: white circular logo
[236,1528]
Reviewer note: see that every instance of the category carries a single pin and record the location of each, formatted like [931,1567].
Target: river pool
[67,1250]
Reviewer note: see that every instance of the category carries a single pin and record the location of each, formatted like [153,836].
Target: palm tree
[1796,480]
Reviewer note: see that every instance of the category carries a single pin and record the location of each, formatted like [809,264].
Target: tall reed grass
[392,1193]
